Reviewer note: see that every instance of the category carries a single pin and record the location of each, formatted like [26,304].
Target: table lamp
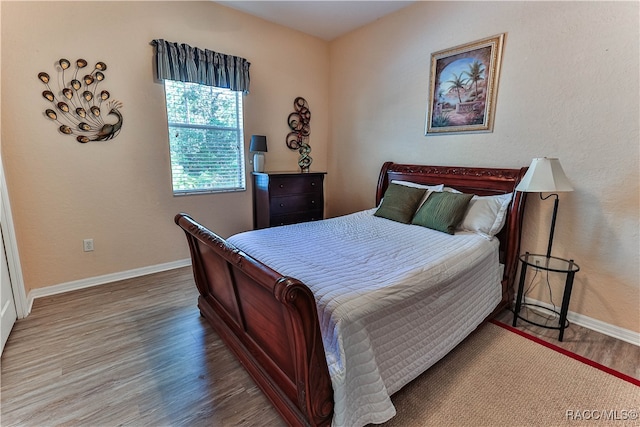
[258,146]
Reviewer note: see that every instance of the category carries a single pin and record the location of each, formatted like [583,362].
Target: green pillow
[442,211]
[400,203]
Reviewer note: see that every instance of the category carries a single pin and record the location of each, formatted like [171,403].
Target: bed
[321,349]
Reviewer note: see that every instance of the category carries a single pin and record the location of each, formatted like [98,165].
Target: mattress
[392,298]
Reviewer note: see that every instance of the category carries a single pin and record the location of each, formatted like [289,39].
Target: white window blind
[205,138]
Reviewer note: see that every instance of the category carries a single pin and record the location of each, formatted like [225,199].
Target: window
[205,138]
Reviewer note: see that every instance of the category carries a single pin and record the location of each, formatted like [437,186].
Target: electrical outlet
[87,245]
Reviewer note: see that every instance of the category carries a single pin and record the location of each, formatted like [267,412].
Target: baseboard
[617,332]
[101,280]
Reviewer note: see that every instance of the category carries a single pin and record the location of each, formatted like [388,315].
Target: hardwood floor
[134,352]
[137,352]
[610,352]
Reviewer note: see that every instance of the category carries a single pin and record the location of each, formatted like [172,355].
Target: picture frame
[463,87]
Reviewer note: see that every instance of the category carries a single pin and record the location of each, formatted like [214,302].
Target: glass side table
[553,264]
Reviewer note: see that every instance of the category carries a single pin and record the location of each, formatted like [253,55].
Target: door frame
[11,249]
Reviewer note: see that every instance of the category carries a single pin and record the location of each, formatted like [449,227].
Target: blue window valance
[181,62]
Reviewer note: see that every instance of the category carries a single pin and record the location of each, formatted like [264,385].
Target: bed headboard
[472,180]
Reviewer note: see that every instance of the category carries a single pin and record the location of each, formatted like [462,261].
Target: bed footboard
[269,321]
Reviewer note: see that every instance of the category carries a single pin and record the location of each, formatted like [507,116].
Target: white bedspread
[392,299]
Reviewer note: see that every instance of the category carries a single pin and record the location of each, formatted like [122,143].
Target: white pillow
[486,215]
[438,187]
[451,190]
[430,188]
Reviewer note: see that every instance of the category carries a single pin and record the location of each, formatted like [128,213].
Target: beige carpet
[499,378]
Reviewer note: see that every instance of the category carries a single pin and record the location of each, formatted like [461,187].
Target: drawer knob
[313,184]
[313,202]
[281,205]
[281,185]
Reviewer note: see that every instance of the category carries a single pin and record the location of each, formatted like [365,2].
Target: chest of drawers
[281,198]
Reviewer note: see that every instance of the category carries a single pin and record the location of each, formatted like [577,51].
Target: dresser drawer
[295,218]
[295,203]
[287,185]
[281,198]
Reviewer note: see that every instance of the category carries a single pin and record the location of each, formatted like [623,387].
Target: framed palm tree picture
[463,87]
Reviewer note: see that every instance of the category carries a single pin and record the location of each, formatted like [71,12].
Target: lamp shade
[545,175]
[258,144]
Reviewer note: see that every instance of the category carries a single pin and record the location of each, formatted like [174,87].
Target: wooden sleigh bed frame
[270,321]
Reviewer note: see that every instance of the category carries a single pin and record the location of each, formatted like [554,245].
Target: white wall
[568,89]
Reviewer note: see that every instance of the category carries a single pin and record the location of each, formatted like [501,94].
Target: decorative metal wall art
[298,138]
[77,104]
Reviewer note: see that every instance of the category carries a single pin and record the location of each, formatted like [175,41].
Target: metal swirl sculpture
[77,105]
[298,138]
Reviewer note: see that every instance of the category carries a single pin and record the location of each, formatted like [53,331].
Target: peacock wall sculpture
[77,105]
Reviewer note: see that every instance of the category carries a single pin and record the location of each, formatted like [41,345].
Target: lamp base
[258,162]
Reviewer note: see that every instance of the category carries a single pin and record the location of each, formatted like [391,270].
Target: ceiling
[324,19]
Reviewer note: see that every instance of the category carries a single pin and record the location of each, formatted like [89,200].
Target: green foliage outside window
[205,138]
